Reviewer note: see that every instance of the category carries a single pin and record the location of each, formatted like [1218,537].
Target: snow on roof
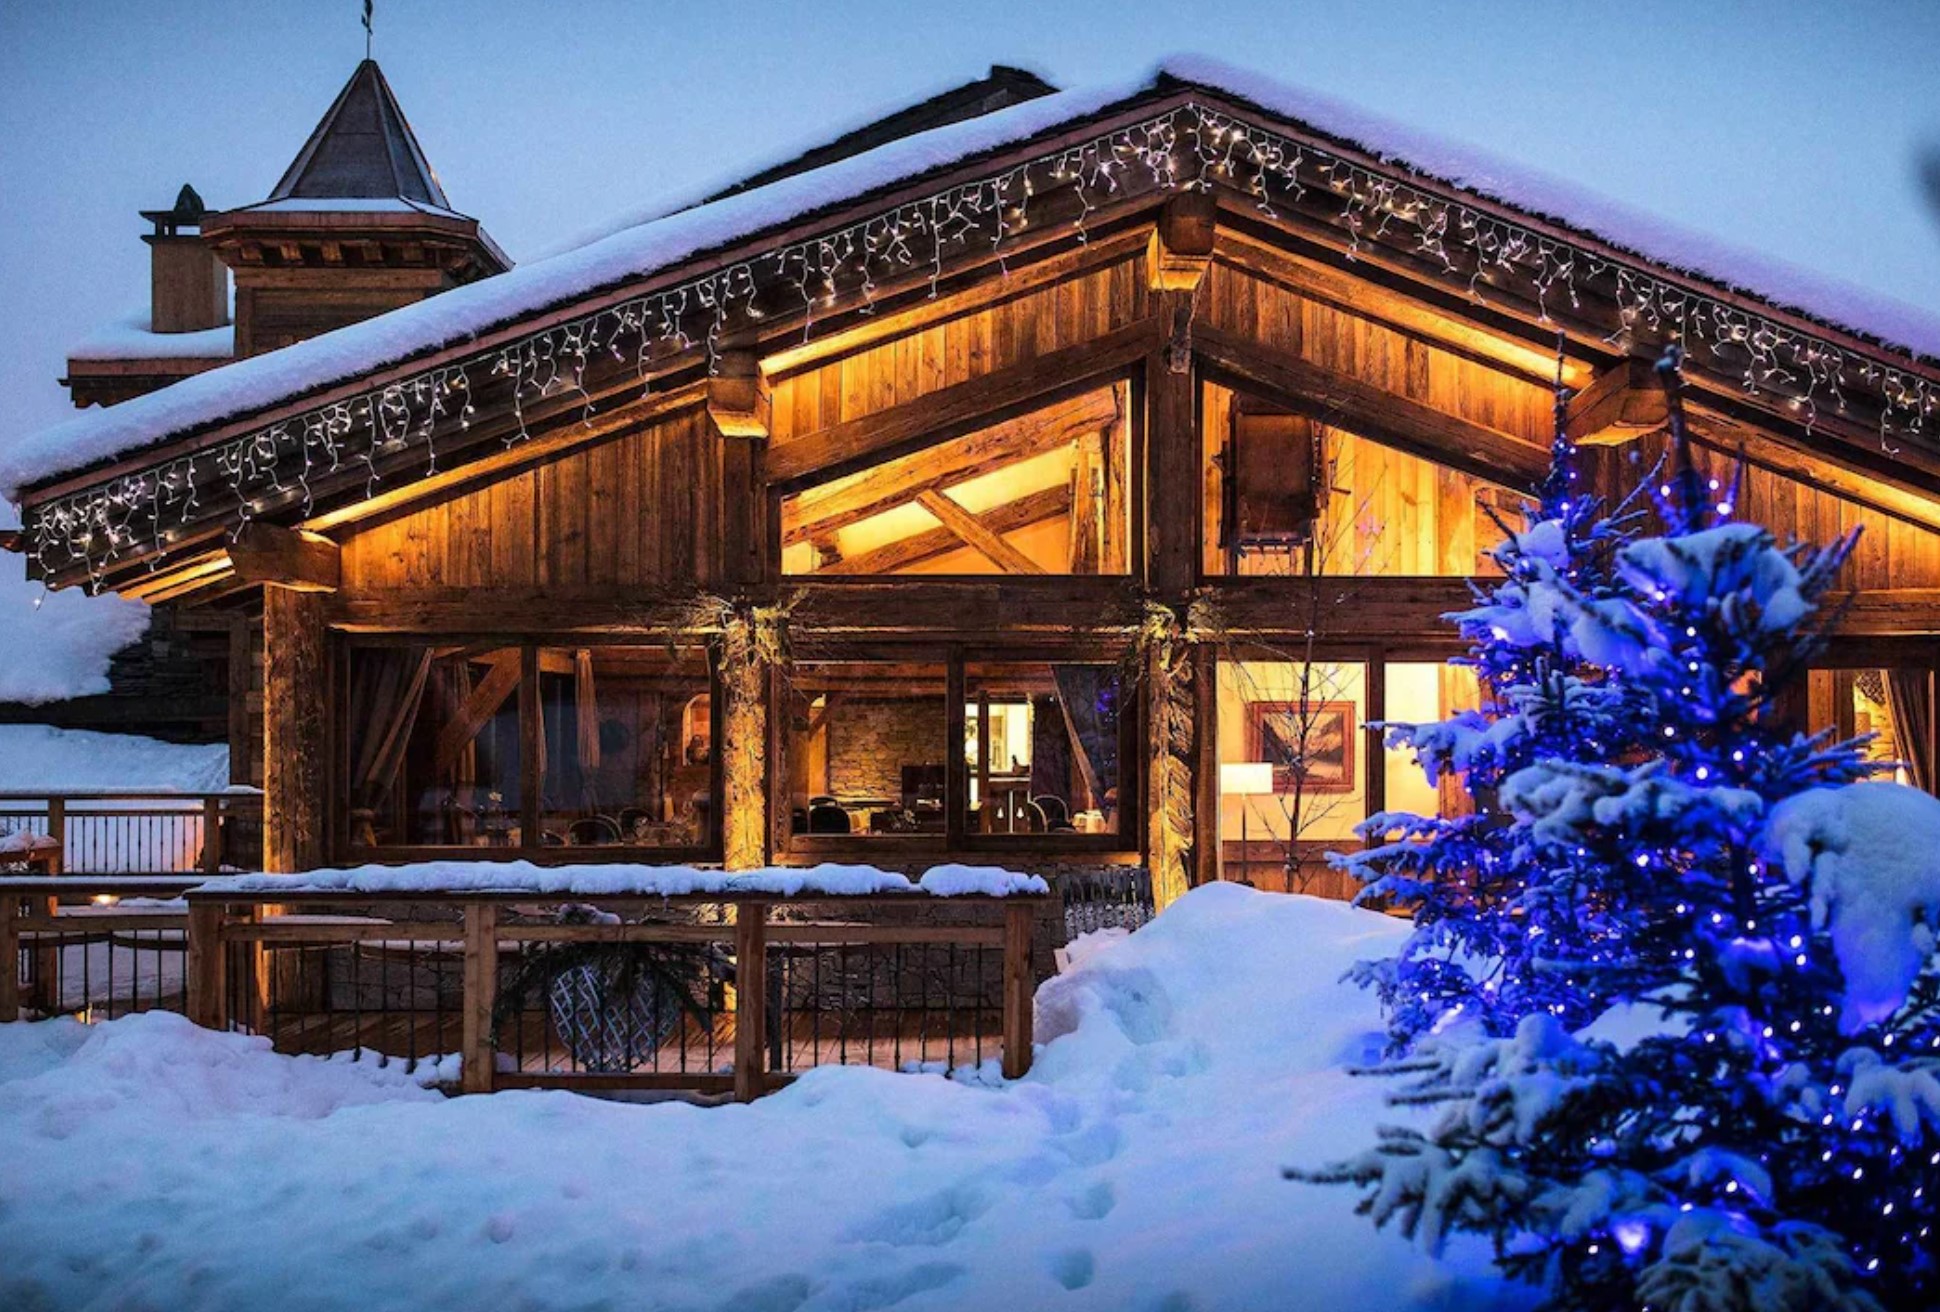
[665,238]
[42,757]
[131,338]
[56,645]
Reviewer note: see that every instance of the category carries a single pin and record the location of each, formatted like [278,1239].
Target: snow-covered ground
[144,1163]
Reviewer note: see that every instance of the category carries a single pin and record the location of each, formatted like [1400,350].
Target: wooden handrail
[219,922]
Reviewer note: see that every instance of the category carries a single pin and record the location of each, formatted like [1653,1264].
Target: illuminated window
[1042,747]
[1045,492]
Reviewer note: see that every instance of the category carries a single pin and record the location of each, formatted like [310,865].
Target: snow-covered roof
[667,236]
[131,338]
[56,645]
[40,756]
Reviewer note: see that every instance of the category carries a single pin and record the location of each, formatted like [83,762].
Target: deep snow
[147,1164]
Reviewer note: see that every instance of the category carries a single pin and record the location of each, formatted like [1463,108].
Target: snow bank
[56,645]
[1137,1167]
[41,757]
[664,236]
[1871,852]
[630,880]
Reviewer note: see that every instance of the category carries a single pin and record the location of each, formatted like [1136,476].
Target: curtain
[1909,698]
[388,692]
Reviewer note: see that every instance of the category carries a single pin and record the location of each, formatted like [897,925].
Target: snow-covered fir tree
[1480,927]
[1755,1122]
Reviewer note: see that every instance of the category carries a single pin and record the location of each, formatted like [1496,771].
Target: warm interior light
[1245,778]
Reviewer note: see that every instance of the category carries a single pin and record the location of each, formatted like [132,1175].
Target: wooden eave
[1500,316]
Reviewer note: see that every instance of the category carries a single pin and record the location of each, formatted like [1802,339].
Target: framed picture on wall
[1324,752]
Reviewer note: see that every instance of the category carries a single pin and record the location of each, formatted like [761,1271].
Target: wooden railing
[907,981]
[118,831]
[96,947]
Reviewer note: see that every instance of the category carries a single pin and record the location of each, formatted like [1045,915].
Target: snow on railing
[134,830]
[603,976]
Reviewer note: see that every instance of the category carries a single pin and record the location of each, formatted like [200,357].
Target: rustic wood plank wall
[941,355]
[643,508]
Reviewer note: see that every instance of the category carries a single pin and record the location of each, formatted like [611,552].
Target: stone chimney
[189,285]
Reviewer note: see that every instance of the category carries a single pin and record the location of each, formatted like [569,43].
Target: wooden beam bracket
[1622,404]
[285,558]
[737,396]
[1182,242]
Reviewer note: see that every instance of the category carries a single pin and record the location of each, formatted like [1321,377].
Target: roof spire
[362,149]
[367,30]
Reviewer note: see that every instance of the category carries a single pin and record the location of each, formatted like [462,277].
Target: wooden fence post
[207,1005]
[9,958]
[57,830]
[1019,993]
[211,836]
[480,1069]
[750,997]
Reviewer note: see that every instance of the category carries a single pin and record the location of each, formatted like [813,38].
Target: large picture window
[946,752]
[528,748]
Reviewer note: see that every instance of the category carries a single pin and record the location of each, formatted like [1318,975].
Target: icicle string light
[1190,146]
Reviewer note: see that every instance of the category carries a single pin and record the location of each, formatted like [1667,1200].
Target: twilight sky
[1792,129]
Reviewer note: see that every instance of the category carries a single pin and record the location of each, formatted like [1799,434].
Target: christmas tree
[1481,930]
[1754,1120]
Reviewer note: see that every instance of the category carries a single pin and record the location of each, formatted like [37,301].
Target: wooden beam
[480,706]
[1182,242]
[1622,404]
[1034,508]
[1342,401]
[737,396]
[285,558]
[823,510]
[1350,290]
[976,535]
[951,411]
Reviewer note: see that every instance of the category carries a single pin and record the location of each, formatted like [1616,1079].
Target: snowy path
[145,1164]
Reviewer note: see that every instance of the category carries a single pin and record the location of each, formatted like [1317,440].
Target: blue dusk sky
[1793,129]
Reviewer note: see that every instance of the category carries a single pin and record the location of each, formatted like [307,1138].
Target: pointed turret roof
[362,149]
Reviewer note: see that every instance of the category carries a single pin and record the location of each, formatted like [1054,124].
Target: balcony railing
[707,993]
[124,831]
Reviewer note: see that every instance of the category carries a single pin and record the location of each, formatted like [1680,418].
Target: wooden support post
[1206,852]
[750,998]
[295,730]
[1172,473]
[9,958]
[744,746]
[57,830]
[211,835]
[1020,993]
[1169,790]
[479,1072]
[207,1003]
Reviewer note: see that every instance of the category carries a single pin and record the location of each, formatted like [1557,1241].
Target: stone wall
[871,740]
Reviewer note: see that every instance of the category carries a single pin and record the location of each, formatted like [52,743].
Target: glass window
[1046,492]
[1042,745]
[867,748]
[1892,705]
[1418,692]
[1292,773]
[628,756]
[433,747]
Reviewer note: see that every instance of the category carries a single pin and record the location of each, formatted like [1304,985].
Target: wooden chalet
[1078,489]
